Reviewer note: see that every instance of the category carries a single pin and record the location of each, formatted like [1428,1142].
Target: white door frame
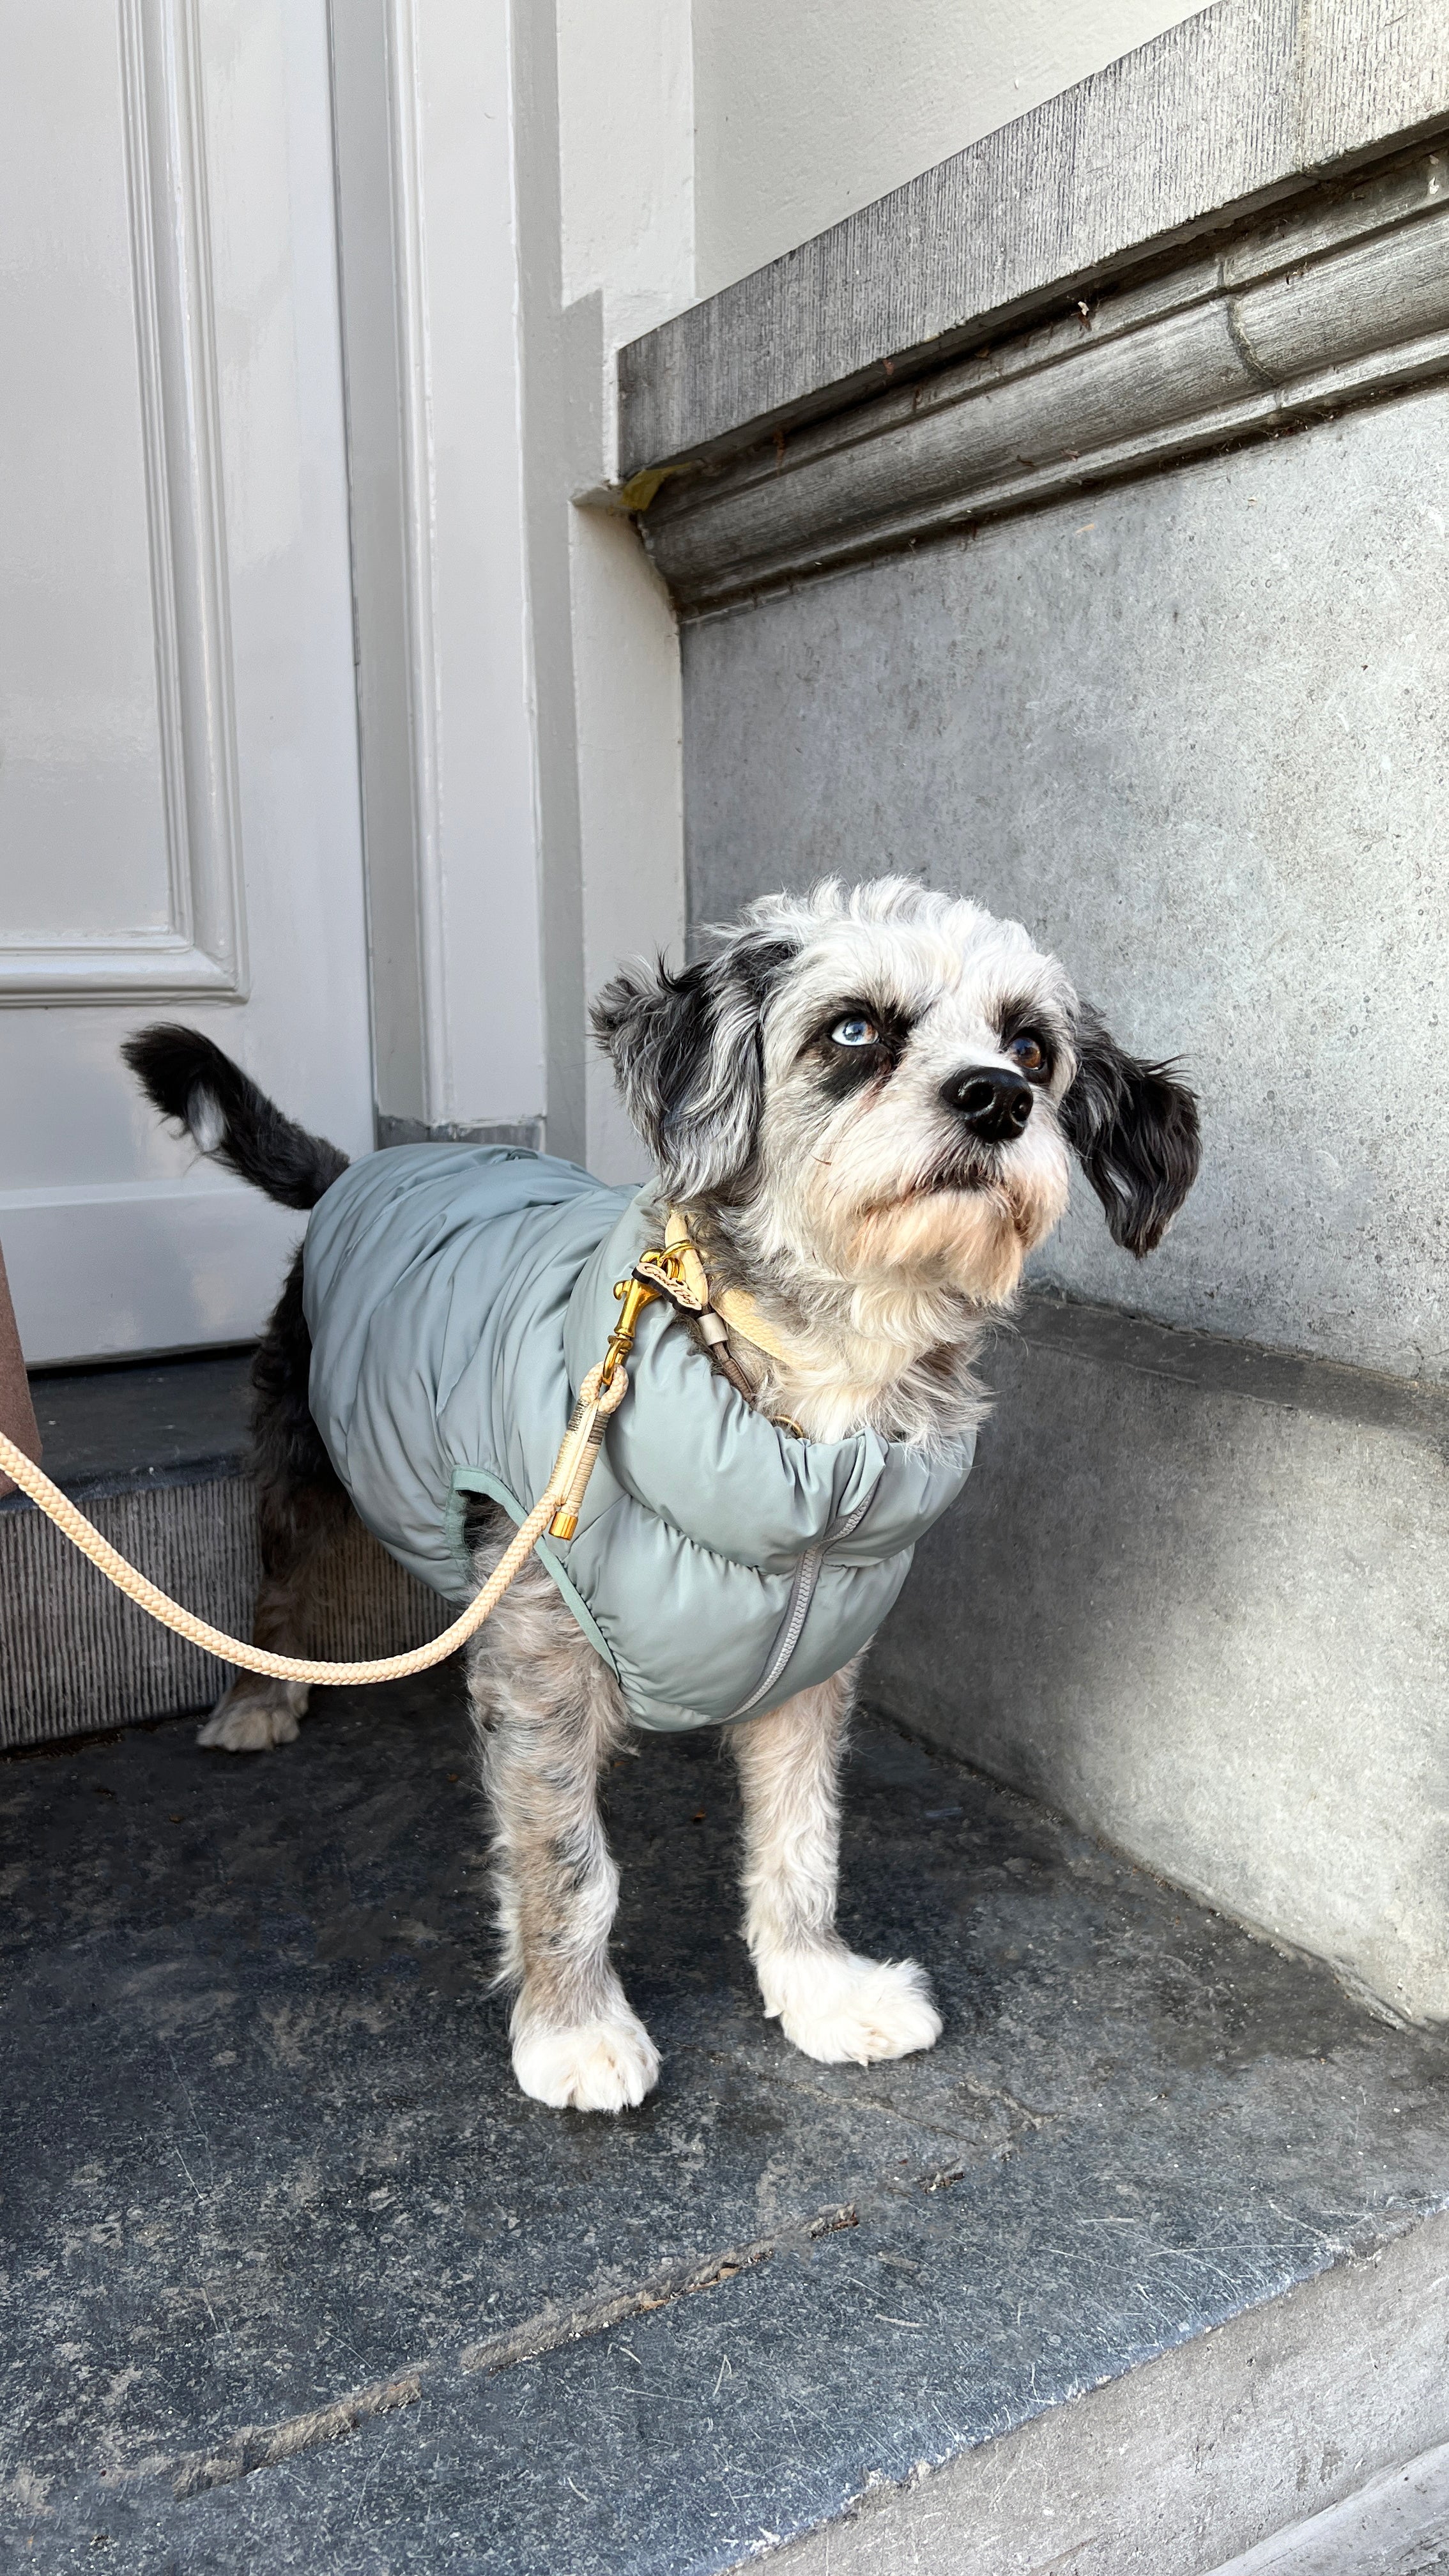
[424,127]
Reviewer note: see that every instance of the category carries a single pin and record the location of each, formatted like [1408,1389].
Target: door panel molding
[202,950]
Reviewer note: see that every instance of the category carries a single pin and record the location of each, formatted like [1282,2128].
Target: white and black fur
[867,1102]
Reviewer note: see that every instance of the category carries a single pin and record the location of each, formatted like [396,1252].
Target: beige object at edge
[17,1413]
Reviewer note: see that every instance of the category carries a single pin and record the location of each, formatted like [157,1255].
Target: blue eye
[855,1033]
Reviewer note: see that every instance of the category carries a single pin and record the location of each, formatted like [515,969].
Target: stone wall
[1126,615]
[1193,731]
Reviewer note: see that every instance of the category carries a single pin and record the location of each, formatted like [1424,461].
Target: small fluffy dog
[868,1103]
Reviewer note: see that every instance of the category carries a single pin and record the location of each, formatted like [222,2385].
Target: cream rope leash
[603,1390]
[675,1273]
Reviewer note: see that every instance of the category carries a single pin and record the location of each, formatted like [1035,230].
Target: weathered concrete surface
[1141,2477]
[1397,2526]
[280,2233]
[1217,116]
[1201,1607]
[1195,736]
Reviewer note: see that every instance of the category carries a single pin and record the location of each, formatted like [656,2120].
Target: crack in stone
[554,2327]
[261,2446]
[969,2144]
[998,2093]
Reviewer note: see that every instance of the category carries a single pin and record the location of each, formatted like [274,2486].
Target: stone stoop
[154,1454]
[1146,2261]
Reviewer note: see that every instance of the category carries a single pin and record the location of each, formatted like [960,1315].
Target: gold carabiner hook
[633,1295]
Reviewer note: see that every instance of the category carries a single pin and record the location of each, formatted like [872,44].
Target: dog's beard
[964,1226]
[966,1239]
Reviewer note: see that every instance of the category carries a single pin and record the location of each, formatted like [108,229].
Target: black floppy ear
[688,1057]
[1134,1129]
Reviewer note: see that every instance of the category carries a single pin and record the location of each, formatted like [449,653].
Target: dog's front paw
[844,2010]
[255,1714]
[605,2065]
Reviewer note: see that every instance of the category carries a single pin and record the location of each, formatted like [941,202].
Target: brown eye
[1028,1052]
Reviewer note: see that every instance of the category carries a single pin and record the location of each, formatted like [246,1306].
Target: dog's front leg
[548,1713]
[834,2005]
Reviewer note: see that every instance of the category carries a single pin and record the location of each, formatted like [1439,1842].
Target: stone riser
[1193,1597]
[76,1655]
[1194,2453]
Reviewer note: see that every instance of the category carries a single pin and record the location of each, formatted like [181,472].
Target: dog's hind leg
[301,1514]
[833,2005]
[297,1527]
[548,1713]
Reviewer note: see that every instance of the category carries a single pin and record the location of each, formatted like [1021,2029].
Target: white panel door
[179,827]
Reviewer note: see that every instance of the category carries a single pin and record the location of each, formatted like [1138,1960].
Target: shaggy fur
[867,1103]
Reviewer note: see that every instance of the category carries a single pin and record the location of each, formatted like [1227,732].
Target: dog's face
[891,1083]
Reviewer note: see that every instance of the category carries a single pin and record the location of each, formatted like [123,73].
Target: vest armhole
[477,1480]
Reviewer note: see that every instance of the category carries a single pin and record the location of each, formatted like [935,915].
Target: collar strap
[735,1304]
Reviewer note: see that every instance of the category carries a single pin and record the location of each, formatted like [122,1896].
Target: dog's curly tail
[231,1121]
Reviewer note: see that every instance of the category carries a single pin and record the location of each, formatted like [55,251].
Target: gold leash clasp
[633,1295]
[602,1390]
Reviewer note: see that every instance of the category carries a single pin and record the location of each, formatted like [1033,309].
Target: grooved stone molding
[1319,308]
[1225,112]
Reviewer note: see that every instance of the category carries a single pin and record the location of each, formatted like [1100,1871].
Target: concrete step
[1398,2525]
[154,1454]
[1146,2261]
[1196,1596]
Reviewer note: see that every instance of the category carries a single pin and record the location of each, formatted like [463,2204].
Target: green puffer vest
[456,1297]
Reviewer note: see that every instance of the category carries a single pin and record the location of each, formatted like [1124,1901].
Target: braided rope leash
[602,1392]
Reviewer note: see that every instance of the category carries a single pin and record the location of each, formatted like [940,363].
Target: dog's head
[887,1085]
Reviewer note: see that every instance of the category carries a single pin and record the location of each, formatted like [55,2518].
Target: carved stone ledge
[1235,110]
[1317,309]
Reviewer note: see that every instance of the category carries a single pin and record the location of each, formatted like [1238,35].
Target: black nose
[993,1103]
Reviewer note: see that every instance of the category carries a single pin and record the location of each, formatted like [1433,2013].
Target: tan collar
[736,1305]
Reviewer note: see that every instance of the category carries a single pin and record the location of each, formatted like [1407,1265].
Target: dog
[868,1102]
